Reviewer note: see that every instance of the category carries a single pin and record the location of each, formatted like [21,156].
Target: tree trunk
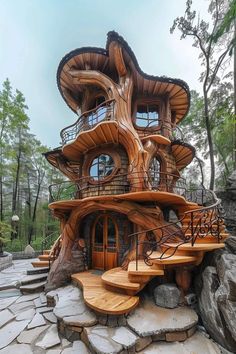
[209,139]
[35,209]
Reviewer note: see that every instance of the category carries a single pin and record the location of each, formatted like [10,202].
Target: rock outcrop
[216,289]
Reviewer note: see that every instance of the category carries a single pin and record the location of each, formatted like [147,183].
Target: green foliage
[5,231]
[24,172]
[206,114]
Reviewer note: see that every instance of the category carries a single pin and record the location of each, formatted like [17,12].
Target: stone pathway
[67,326]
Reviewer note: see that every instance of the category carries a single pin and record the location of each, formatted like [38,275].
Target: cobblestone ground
[28,325]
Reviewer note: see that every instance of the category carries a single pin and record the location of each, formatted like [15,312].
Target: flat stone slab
[31,335]
[68,308]
[17,349]
[39,303]
[85,319]
[50,339]
[37,321]
[125,337]
[78,348]
[10,331]
[26,315]
[5,317]
[50,317]
[22,306]
[150,319]
[44,309]
[107,340]
[25,298]
[6,302]
[197,344]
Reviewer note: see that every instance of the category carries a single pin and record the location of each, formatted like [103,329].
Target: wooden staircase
[43,261]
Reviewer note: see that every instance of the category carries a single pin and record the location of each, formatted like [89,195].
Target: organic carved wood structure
[114,72]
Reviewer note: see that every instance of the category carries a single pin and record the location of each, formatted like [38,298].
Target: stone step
[32,288]
[35,278]
[37,270]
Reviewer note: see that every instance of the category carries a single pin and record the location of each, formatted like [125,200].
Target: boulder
[216,289]
[167,295]
[29,250]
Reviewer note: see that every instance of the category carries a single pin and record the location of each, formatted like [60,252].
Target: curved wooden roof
[93,58]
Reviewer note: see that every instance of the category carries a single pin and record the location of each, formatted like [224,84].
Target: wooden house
[125,209]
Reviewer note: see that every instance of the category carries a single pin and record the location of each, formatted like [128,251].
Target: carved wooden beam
[116,58]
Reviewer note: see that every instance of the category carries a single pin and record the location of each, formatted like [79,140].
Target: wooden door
[104,242]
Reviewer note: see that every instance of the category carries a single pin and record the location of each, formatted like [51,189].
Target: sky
[36,34]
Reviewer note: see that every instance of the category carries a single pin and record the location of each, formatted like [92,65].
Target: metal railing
[88,120]
[121,183]
[48,241]
[198,223]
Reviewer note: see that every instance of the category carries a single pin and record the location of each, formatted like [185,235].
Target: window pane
[101,167]
[99,232]
[154,172]
[147,116]
[111,233]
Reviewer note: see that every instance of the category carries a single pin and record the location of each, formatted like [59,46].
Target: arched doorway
[105,246]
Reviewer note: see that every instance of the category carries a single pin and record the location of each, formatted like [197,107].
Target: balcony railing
[119,184]
[88,120]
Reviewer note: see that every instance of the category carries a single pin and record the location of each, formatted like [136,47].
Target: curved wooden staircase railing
[202,230]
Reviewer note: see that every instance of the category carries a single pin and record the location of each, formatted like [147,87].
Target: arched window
[154,172]
[101,167]
[147,115]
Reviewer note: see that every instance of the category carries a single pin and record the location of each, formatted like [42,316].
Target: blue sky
[36,34]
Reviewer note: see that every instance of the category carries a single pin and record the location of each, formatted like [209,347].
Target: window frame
[91,155]
[147,102]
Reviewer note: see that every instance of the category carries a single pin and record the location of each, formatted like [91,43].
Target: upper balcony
[92,128]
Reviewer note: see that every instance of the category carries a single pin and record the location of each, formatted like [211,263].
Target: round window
[101,167]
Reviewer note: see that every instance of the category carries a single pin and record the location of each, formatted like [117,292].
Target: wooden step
[144,269]
[40,264]
[174,259]
[118,278]
[100,299]
[197,247]
[44,257]
[46,251]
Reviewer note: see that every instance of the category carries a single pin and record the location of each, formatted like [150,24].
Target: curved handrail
[48,239]
[202,221]
[70,132]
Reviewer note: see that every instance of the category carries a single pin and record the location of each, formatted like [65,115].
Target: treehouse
[125,211]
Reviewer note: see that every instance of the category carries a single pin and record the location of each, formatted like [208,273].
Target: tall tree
[212,56]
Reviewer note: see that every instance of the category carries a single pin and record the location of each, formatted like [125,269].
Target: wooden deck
[100,299]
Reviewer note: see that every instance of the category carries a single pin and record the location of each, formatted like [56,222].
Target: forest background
[210,126]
